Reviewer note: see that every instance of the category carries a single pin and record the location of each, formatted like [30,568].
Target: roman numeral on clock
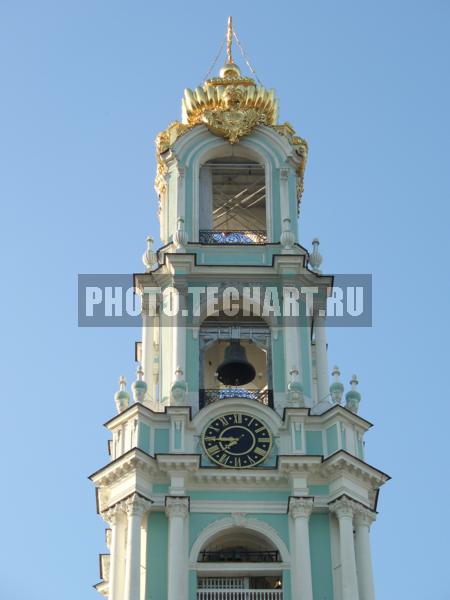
[223,458]
[259,451]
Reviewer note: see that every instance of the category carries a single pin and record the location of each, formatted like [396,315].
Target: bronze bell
[235,369]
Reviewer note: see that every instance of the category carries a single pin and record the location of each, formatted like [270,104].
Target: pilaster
[300,510]
[177,509]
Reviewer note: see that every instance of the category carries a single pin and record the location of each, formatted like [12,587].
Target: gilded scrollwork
[230,106]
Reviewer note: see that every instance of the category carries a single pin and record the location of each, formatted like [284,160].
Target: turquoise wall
[160,488]
[198,522]
[192,585]
[144,437]
[276,213]
[320,547]
[319,490]
[260,495]
[192,361]
[286,585]
[156,581]
[344,438]
[314,443]
[332,439]
[278,363]
[161,441]
[279,522]
[306,366]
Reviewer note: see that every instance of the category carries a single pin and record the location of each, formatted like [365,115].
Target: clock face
[237,441]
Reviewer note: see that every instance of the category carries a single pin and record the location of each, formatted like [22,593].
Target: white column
[363,519]
[115,517]
[300,510]
[320,336]
[176,511]
[292,343]
[135,506]
[284,194]
[147,349]
[345,509]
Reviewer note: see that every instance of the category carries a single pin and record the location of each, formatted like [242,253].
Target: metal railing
[239,594]
[209,396]
[250,236]
[239,555]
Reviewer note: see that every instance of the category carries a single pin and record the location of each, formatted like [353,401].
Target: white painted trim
[269,417]
[241,506]
[228,522]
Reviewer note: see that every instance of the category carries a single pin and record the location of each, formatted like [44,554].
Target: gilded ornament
[230,106]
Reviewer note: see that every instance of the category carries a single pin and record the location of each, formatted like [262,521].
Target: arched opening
[239,563]
[238,544]
[243,345]
[232,201]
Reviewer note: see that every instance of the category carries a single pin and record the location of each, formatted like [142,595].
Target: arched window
[260,578]
[250,338]
[232,205]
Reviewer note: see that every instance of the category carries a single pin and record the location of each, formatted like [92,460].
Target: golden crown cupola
[229,168]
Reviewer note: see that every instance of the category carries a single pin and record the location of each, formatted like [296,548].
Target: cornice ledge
[337,408]
[136,407]
[245,476]
[344,461]
[299,463]
[134,459]
[358,506]
[178,462]
[121,503]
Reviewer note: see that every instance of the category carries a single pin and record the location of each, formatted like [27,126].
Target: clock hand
[221,439]
[233,443]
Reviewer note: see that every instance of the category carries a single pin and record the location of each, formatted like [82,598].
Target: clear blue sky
[86,85]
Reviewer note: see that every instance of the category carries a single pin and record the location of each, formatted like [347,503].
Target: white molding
[269,417]
[238,520]
[244,506]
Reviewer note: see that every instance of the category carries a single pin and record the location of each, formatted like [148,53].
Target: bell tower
[237,467]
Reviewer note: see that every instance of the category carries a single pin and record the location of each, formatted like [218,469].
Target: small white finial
[149,257]
[353,397]
[336,388]
[180,237]
[287,238]
[122,397]
[178,388]
[139,387]
[315,258]
[294,373]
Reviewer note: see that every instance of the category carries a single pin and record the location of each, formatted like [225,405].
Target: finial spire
[229,40]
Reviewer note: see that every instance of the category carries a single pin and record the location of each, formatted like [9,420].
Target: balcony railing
[250,236]
[239,555]
[239,594]
[209,396]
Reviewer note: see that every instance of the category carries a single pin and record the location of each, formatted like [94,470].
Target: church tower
[236,470]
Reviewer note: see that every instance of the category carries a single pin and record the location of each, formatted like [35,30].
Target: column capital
[177,506]
[136,505]
[110,515]
[364,516]
[344,507]
[300,507]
